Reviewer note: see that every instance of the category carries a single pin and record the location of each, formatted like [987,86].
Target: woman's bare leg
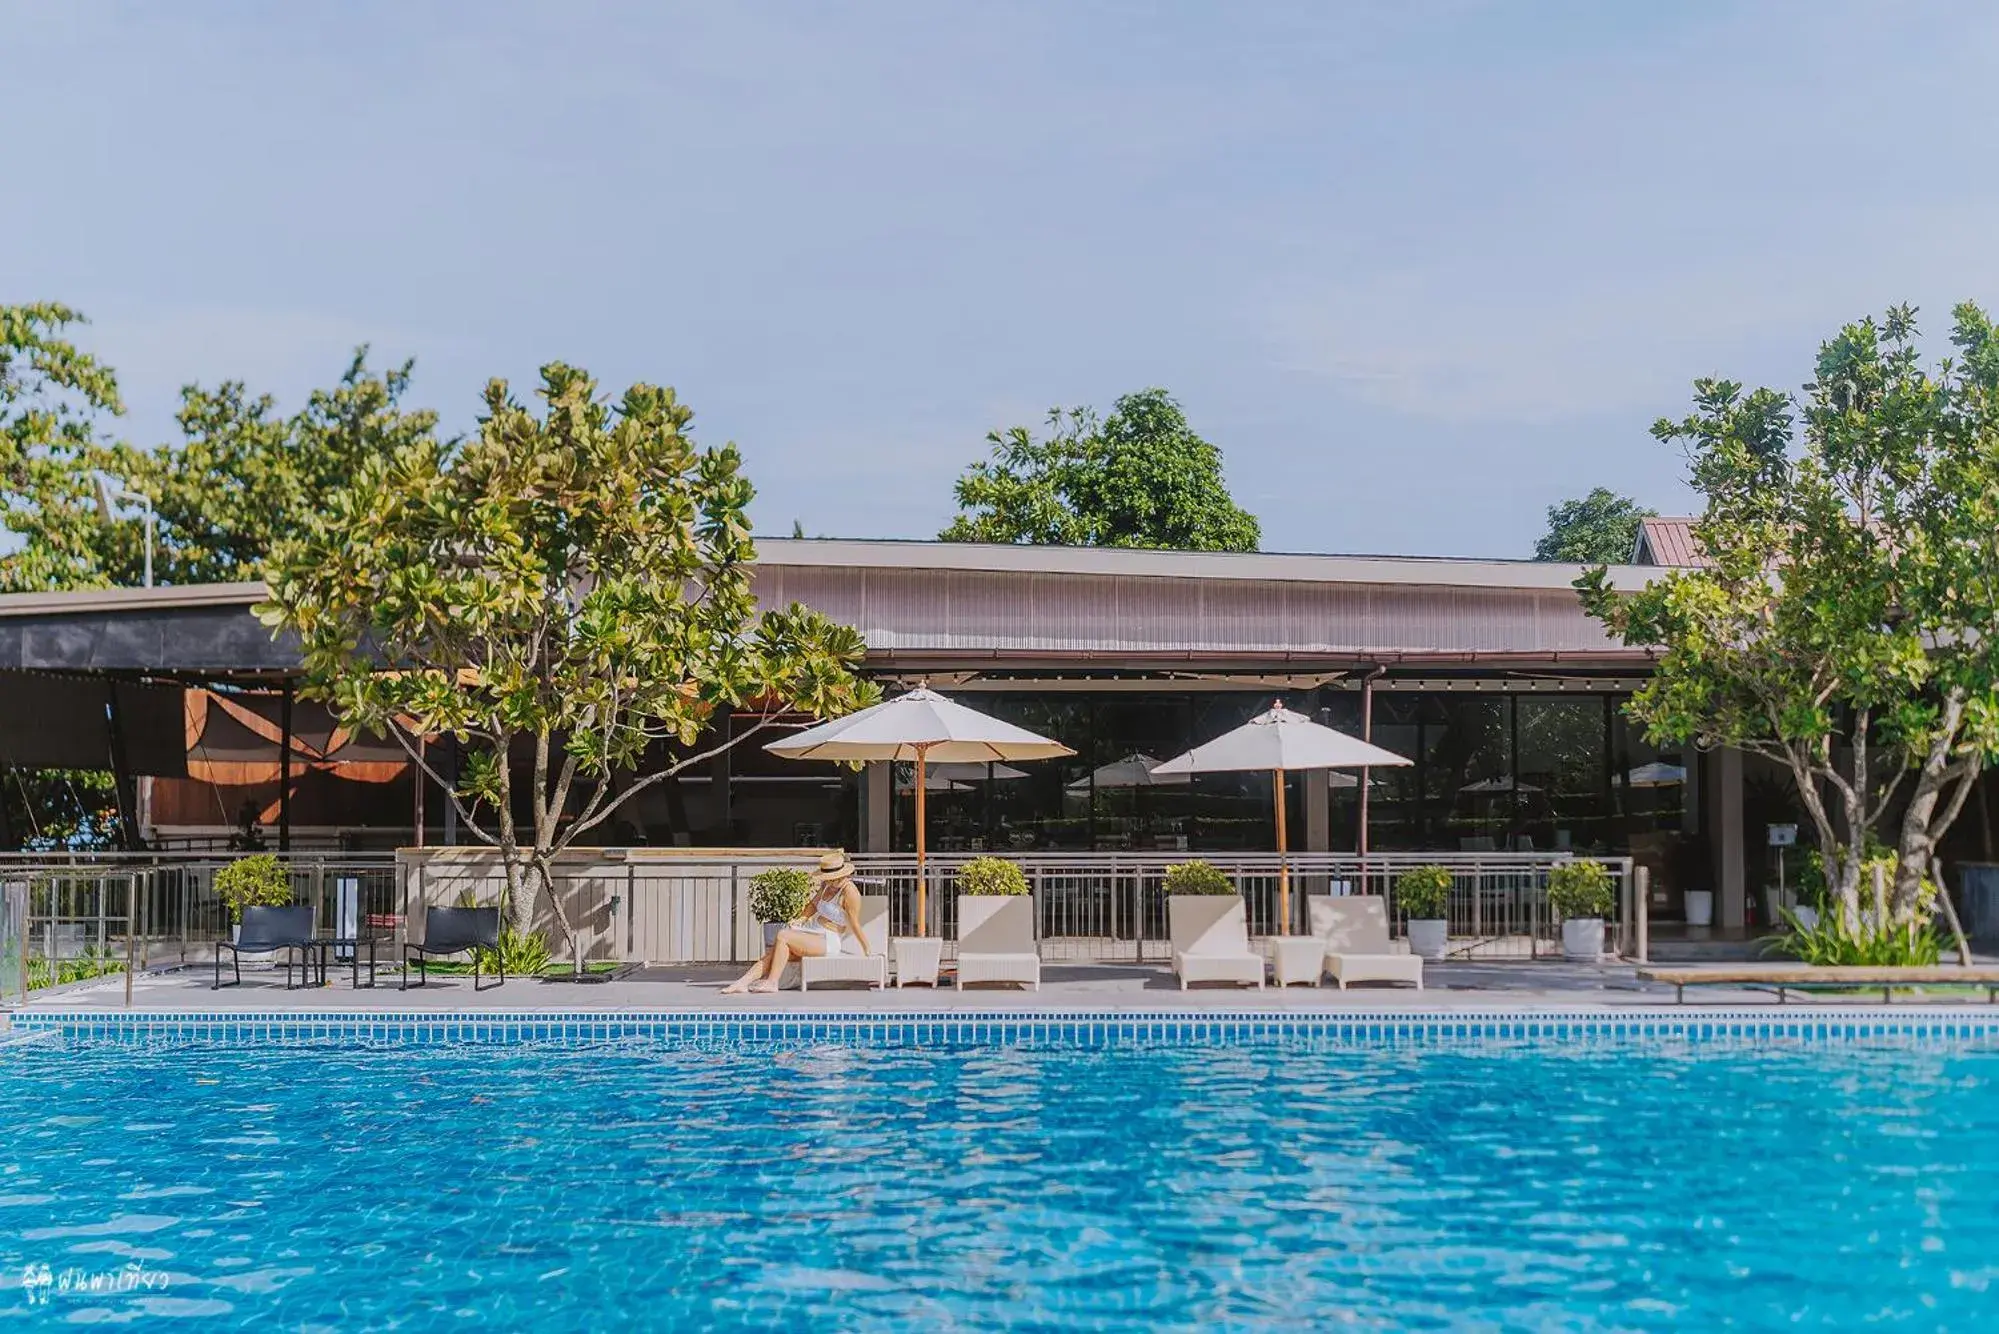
[791,944]
[756,971]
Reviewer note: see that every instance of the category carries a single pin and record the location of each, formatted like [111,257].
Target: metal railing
[13,941]
[83,910]
[1112,906]
[1107,907]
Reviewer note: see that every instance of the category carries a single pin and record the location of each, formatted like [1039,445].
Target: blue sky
[1420,269]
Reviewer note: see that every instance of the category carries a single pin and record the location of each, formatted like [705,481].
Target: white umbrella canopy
[921,726]
[1504,783]
[1135,770]
[962,777]
[1656,774]
[1280,740]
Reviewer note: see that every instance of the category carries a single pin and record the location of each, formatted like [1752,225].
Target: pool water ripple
[1475,1184]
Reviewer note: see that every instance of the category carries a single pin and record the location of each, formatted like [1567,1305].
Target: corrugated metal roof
[1667,541]
[914,611]
[951,601]
[1275,567]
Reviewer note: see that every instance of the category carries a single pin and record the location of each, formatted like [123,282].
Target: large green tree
[573,587]
[240,477]
[1139,477]
[1599,529]
[53,399]
[1847,625]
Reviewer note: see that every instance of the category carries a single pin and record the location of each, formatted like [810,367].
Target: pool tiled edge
[1060,1029]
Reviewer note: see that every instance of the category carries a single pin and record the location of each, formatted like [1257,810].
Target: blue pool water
[1635,1182]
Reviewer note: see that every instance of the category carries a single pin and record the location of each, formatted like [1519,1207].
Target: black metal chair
[453,931]
[266,931]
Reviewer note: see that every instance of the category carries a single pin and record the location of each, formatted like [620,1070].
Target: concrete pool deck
[1468,987]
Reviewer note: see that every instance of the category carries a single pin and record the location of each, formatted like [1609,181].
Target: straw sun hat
[833,866]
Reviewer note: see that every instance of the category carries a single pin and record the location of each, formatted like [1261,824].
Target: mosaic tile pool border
[1052,1029]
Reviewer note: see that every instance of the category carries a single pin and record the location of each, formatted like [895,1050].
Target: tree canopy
[573,587]
[53,396]
[1599,529]
[1139,477]
[239,478]
[1848,623]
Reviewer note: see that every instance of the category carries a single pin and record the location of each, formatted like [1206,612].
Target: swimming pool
[1504,1173]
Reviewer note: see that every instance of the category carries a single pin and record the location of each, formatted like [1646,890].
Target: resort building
[1486,674]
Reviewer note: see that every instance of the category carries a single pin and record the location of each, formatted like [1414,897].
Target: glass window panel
[1468,771]
[1563,798]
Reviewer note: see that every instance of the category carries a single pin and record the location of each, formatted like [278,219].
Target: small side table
[917,959]
[1295,959]
[327,945]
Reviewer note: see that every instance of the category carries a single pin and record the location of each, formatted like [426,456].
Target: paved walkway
[1450,986]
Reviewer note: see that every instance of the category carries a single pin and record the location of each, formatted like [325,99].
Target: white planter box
[1429,937]
[1582,939]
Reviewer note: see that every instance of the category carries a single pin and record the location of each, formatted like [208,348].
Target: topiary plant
[1580,889]
[1197,878]
[261,881]
[780,894]
[991,875]
[1423,892]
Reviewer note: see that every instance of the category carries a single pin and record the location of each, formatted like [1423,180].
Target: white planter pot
[1700,907]
[1582,939]
[770,933]
[1429,936]
[235,932]
[1808,918]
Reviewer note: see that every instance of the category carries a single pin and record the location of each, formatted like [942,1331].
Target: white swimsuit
[830,921]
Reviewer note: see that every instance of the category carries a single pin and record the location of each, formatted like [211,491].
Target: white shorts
[832,939]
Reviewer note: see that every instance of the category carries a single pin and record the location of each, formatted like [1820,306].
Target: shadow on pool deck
[1449,986]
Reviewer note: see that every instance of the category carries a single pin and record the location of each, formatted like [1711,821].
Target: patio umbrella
[1280,741]
[1504,783]
[920,726]
[1656,774]
[1134,770]
[962,777]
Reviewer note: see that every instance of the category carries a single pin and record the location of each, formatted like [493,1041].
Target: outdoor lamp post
[110,491]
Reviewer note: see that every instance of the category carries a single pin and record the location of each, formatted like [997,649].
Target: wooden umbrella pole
[1283,860]
[922,876]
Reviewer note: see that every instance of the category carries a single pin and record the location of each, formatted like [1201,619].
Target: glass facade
[1491,770]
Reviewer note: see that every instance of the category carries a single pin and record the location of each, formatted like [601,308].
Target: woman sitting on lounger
[831,925]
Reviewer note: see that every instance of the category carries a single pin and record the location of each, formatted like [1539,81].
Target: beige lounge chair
[871,968]
[1211,940]
[1358,949]
[996,941]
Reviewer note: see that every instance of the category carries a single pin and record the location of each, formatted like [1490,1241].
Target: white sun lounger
[1358,949]
[1211,940]
[871,968]
[996,941]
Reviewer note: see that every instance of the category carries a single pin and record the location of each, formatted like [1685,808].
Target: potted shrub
[1581,895]
[261,881]
[1423,893]
[990,877]
[1197,879]
[991,894]
[778,897]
